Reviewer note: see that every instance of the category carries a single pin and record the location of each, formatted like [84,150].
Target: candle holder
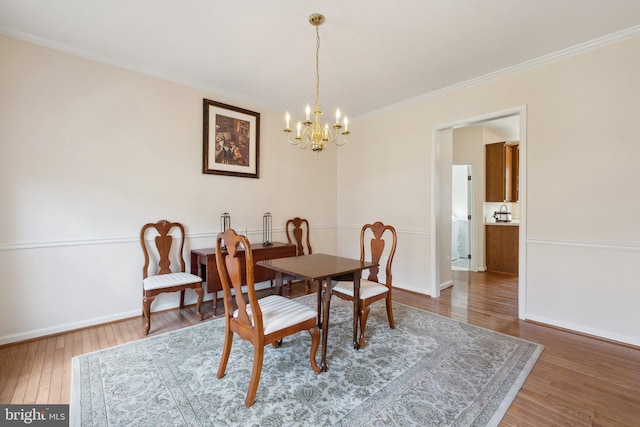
[225,223]
[266,229]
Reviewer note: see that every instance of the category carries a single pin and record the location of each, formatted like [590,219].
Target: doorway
[461,214]
[441,163]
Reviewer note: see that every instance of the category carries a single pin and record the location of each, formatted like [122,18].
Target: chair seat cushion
[168,280]
[368,288]
[280,312]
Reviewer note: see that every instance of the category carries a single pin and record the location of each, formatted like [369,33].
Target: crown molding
[72,50]
[519,68]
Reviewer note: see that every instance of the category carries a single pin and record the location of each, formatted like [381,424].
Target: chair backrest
[299,227]
[230,269]
[376,248]
[163,245]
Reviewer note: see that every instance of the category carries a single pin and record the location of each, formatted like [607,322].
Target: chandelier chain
[317,68]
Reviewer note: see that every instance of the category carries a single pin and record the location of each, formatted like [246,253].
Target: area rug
[430,370]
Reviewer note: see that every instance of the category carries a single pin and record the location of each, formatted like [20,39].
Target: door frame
[441,136]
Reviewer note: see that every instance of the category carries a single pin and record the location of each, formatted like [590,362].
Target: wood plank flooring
[577,381]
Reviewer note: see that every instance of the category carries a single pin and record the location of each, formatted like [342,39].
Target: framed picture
[231,143]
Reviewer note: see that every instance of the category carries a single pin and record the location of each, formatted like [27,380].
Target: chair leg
[182,298]
[307,286]
[315,343]
[392,323]
[364,314]
[226,350]
[215,303]
[146,312]
[200,293]
[258,355]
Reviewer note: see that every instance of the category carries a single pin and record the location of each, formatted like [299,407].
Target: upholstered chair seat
[368,289]
[169,280]
[279,313]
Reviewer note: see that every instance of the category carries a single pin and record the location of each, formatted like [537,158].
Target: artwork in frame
[231,143]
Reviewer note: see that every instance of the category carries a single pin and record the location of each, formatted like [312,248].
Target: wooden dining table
[321,268]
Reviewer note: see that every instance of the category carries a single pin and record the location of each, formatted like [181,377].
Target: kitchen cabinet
[501,247]
[502,161]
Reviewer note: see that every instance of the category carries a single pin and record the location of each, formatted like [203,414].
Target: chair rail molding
[585,244]
[128,239]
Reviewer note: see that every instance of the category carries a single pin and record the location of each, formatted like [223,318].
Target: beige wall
[582,232]
[90,152]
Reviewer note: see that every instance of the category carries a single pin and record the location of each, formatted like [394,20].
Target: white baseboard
[447,284]
[410,288]
[42,332]
[589,331]
[36,333]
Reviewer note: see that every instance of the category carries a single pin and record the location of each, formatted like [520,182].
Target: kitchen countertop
[508,224]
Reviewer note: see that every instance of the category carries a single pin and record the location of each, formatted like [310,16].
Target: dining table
[321,268]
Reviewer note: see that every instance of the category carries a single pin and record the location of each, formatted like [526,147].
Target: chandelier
[314,134]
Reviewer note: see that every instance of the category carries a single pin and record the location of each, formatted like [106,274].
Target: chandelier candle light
[315,134]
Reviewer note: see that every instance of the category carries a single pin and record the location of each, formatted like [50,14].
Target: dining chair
[297,230]
[371,289]
[260,321]
[160,278]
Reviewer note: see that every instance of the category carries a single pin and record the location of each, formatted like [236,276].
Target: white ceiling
[373,54]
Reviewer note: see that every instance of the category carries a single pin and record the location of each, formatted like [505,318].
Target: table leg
[207,274]
[326,299]
[356,308]
[319,293]
[199,267]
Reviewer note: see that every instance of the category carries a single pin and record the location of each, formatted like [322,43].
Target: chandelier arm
[303,143]
[299,141]
[344,141]
[334,138]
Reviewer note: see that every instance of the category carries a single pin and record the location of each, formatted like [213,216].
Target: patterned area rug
[430,370]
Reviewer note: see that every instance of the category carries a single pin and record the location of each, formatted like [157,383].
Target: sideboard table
[203,263]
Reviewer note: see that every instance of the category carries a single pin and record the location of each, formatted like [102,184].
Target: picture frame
[231,140]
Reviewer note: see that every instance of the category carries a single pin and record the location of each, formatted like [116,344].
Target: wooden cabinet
[502,161]
[501,248]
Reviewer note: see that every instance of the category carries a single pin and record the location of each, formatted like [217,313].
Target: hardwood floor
[577,381]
